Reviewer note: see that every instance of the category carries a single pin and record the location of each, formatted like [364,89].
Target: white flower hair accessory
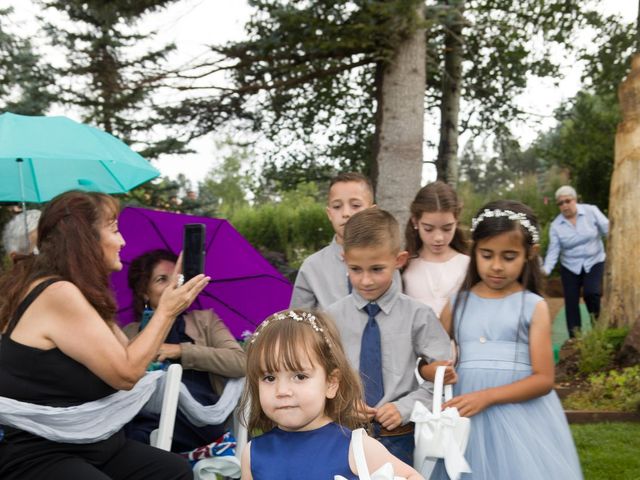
[302,317]
[511,215]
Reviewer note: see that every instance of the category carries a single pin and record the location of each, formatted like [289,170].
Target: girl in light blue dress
[505,363]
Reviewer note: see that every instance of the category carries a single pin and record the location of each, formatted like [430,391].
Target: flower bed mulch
[569,380]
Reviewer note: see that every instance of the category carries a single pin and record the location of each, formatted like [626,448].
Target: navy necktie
[371,358]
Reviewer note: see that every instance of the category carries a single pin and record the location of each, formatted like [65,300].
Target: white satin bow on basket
[441,433]
[385,472]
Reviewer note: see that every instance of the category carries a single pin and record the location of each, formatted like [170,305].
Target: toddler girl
[505,367]
[302,393]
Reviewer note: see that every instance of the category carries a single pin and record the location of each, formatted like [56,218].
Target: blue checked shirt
[578,246]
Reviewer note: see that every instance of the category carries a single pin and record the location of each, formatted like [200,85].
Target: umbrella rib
[158,231]
[219,300]
[32,171]
[115,179]
[214,234]
[249,277]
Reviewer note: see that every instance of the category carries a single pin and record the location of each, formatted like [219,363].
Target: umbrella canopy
[244,287]
[41,157]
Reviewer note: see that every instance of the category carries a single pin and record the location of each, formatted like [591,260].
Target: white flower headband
[511,215]
[302,317]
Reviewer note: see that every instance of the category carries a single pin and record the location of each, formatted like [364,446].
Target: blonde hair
[356,177]
[277,345]
[372,227]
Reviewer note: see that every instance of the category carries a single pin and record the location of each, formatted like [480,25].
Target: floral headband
[302,317]
[511,215]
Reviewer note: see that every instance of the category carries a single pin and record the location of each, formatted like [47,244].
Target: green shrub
[297,226]
[616,336]
[612,391]
[595,350]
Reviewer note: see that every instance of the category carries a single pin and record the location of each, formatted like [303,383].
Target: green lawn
[609,451]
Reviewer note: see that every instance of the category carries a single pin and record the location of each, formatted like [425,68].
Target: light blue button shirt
[578,246]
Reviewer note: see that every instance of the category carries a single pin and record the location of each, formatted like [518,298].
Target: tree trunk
[397,172]
[623,262]
[629,354]
[447,162]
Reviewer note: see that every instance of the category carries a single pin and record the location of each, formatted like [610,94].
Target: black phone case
[193,250]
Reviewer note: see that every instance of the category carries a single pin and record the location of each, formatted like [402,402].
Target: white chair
[163,435]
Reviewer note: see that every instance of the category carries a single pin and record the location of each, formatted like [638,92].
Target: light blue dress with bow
[526,440]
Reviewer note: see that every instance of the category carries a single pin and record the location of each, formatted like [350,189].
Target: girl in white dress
[436,245]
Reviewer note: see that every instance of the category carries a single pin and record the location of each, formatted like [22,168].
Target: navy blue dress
[313,455]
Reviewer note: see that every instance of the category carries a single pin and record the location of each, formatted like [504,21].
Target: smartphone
[193,250]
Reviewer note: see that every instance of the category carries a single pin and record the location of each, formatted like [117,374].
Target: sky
[192,24]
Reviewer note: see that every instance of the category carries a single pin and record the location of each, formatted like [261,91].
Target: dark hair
[490,226]
[69,248]
[277,345]
[139,275]
[372,227]
[434,197]
[353,177]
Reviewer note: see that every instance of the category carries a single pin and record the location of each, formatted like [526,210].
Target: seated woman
[198,340]
[62,348]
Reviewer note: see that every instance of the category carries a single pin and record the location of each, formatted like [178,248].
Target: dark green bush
[616,336]
[296,226]
[613,391]
[595,350]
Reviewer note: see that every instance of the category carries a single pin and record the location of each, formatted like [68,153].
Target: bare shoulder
[61,287]
[64,294]
[541,311]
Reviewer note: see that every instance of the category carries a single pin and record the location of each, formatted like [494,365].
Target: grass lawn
[608,451]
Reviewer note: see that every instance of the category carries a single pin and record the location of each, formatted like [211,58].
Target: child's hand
[470,404]
[450,375]
[365,412]
[388,416]
[428,371]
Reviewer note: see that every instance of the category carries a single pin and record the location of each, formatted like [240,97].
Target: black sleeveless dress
[47,377]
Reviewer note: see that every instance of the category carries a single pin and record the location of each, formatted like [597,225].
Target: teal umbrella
[41,157]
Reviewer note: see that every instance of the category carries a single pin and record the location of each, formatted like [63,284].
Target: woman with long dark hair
[61,347]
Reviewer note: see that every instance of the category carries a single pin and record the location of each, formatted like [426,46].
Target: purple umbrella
[244,287]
